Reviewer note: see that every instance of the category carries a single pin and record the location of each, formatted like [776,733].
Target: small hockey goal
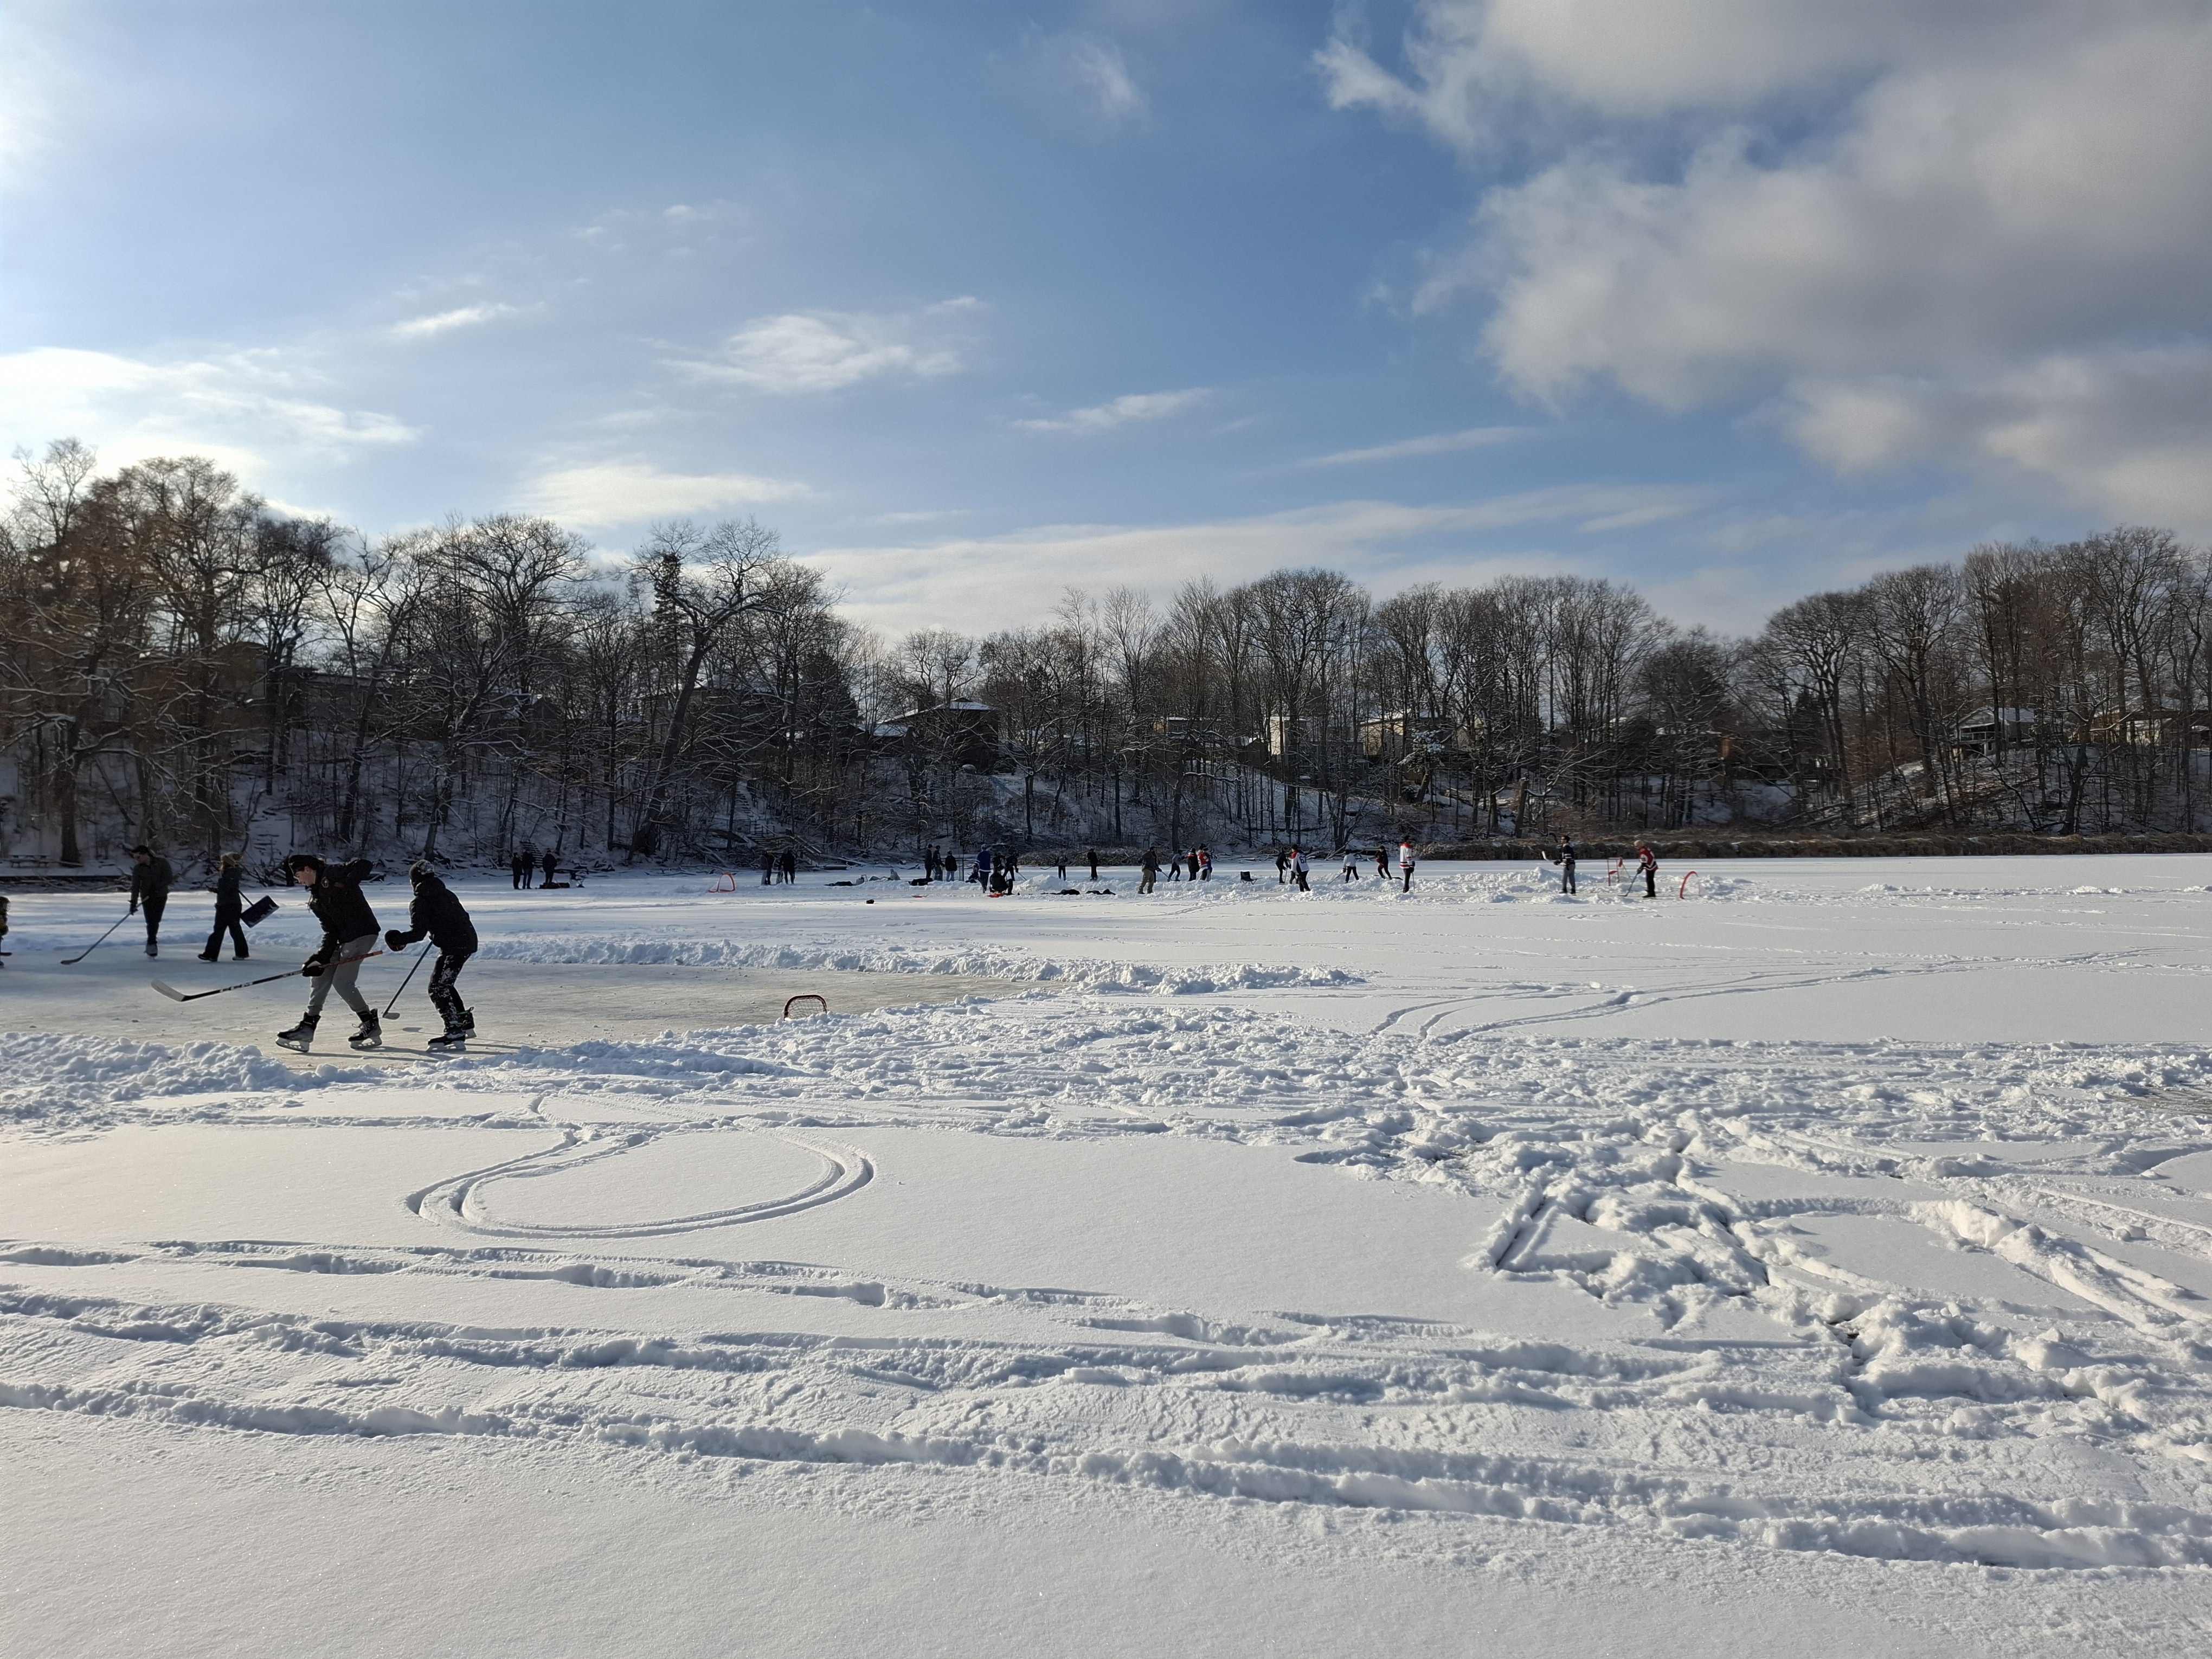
[804,1004]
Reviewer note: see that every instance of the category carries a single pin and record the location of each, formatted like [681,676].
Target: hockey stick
[71,961]
[409,980]
[175,995]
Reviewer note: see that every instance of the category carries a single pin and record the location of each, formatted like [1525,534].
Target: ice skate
[371,1034]
[299,1036]
[454,1039]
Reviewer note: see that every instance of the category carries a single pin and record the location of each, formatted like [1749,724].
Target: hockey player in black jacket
[438,914]
[349,934]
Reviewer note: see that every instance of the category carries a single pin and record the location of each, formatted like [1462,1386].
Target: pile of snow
[978,961]
[43,1075]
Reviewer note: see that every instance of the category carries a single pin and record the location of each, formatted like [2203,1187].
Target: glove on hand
[312,970]
[394,939]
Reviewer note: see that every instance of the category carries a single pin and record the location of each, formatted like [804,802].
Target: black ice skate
[453,1041]
[299,1036]
[469,1021]
[371,1035]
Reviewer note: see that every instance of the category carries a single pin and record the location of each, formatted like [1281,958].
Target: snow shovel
[175,995]
[70,962]
[259,911]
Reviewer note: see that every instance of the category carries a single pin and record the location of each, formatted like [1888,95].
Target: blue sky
[975,301]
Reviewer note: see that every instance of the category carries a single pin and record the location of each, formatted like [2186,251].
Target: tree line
[183,665]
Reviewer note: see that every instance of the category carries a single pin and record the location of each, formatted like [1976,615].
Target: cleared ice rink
[1820,1260]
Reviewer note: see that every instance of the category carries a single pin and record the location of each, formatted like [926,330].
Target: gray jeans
[342,978]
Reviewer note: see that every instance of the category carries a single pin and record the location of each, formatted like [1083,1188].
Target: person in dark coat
[150,877]
[229,906]
[1149,869]
[551,864]
[1567,860]
[1091,853]
[519,868]
[437,913]
[349,934]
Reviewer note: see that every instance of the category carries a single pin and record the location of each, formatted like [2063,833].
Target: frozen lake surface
[1821,1263]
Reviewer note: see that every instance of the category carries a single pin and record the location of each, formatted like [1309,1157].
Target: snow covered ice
[1819,1264]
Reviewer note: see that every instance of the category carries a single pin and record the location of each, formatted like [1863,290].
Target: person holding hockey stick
[150,877]
[1647,866]
[437,913]
[349,934]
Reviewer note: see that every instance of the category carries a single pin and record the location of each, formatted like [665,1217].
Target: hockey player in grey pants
[349,934]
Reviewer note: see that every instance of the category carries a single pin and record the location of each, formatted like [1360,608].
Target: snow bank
[982,961]
[58,1077]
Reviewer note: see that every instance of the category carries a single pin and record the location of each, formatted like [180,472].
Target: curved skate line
[458,1202]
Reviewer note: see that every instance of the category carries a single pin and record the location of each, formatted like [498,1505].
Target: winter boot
[299,1036]
[371,1035]
[152,949]
[207,956]
[236,957]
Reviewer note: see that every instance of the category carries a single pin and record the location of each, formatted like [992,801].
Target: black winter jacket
[339,905]
[438,914]
[226,900]
[150,880]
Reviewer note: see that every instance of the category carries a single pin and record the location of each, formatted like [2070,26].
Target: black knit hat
[299,861]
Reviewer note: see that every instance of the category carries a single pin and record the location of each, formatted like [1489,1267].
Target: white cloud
[922,515]
[1476,71]
[951,582]
[1997,223]
[1134,406]
[38,85]
[248,410]
[803,351]
[445,322]
[608,494]
[1436,443]
[1105,73]
[2128,432]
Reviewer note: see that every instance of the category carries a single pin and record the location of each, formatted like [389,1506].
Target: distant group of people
[777,868]
[526,864]
[1292,870]
[995,868]
[1647,866]
[1197,862]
